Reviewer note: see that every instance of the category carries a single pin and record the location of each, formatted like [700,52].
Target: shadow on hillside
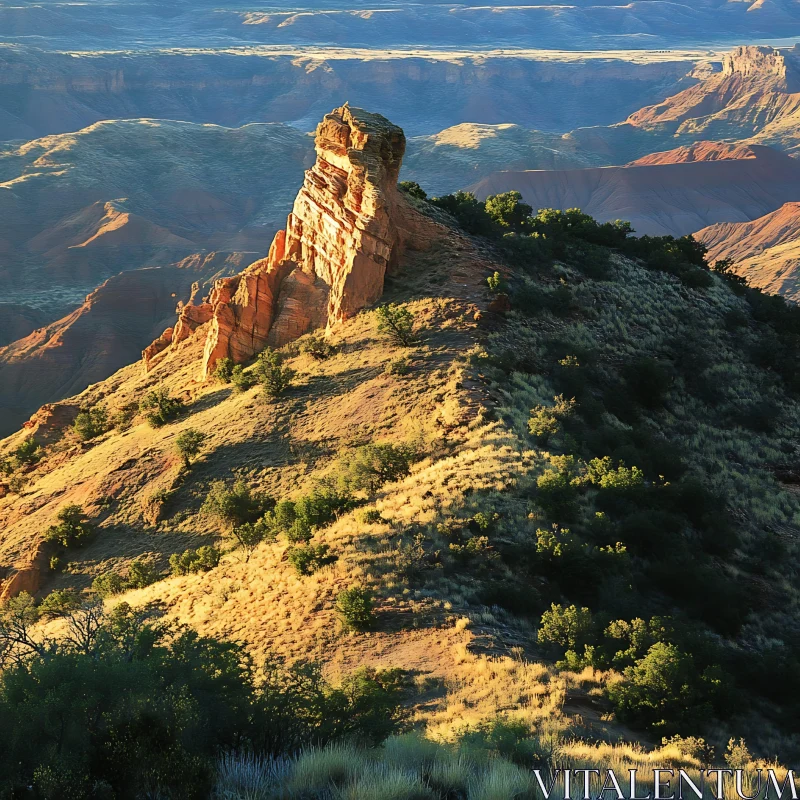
[206,401]
[332,385]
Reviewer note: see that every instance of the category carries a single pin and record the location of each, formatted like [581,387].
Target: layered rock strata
[349,226]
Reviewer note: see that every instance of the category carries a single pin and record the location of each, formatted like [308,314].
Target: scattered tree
[317,347]
[307,559]
[241,380]
[91,423]
[354,606]
[234,505]
[188,445]
[190,561]
[274,376]
[159,407]
[223,370]
[397,322]
[73,527]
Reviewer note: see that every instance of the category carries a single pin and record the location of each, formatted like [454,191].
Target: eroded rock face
[348,227]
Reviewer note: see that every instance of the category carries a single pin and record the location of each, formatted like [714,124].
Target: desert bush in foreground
[123,705]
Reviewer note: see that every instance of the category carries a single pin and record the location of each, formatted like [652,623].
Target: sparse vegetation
[159,407]
[275,376]
[188,445]
[397,323]
[354,606]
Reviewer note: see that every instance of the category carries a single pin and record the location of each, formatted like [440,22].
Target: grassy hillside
[565,510]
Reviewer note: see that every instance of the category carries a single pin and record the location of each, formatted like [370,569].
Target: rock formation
[348,227]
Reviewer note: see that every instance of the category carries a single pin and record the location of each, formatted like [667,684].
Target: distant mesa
[675,192]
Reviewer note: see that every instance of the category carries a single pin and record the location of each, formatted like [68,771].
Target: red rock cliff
[348,226]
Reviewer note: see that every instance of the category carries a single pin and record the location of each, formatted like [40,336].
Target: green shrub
[223,370]
[592,260]
[354,607]
[140,708]
[249,536]
[92,423]
[234,505]
[545,420]
[28,452]
[108,584]
[73,528]
[567,627]
[241,380]
[273,375]
[59,603]
[558,486]
[413,189]
[309,558]
[203,559]
[140,574]
[370,466]
[468,211]
[603,473]
[300,531]
[397,323]
[188,444]
[508,212]
[666,692]
[316,347]
[159,407]
[496,283]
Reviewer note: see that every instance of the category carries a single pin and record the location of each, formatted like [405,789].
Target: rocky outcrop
[48,423]
[348,227]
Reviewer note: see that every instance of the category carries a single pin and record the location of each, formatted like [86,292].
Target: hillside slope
[611,441]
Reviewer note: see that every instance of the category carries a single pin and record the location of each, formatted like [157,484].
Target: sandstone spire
[346,229]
